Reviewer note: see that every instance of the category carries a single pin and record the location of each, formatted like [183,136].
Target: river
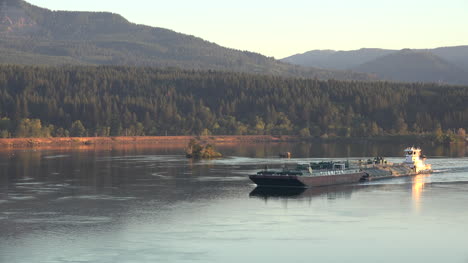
[151,204]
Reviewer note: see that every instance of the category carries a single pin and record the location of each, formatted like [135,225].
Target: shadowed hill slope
[34,35]
[445,64]
[414,66]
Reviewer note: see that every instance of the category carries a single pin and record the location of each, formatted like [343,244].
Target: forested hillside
[109,101]
[31,35]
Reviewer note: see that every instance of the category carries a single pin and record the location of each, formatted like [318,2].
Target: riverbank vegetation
[127,101]
[199,150]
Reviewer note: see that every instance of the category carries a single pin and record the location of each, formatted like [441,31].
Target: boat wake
[440,171]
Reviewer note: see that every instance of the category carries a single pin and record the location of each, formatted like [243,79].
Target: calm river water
[143,204]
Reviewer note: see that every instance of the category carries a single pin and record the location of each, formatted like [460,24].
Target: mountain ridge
[38,36]
[443,64]
[414,66]
[336,59]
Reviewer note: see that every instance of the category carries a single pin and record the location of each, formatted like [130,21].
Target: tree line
[137,101]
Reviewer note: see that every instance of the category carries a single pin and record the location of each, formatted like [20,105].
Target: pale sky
[284,28]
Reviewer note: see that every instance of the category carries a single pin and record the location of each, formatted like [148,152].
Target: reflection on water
[150,204]
[417,190]
[329,192]
[354,149]
[266,192]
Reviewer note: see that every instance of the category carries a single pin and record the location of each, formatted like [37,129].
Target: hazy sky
[283,28]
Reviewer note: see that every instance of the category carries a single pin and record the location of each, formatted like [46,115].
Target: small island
[197,150]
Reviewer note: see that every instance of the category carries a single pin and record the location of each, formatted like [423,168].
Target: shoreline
[182,141]
[135,140]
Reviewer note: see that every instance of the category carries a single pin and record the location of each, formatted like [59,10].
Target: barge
[330,173]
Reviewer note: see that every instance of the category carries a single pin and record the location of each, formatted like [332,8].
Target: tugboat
[415,163]
[334,173]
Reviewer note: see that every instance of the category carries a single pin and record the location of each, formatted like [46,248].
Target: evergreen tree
[77,129]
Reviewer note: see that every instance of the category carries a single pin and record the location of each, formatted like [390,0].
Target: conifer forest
[83,101]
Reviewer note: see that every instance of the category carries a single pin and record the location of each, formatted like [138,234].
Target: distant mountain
[445,64]
[33,35]
[341,60]
[456,55]
[414,66]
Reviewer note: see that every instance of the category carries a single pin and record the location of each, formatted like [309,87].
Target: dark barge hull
[306,181]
